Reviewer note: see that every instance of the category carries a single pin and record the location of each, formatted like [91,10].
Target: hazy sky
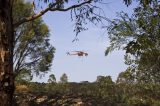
[93,41]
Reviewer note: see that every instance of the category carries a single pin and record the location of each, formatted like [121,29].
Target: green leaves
[32,49]
[106,88]
[64,78]
[52,79]
[139,36]
[24,76]
[141,2]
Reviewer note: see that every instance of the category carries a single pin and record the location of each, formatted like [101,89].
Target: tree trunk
[6,53]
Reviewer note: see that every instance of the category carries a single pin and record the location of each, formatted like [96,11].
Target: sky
[93,41]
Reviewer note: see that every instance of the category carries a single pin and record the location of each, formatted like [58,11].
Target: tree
[24,76]
[139,36]
[64,78]
[6,53]
[52,79]
[32,50]
[126,77]
[106,88]
[141,2]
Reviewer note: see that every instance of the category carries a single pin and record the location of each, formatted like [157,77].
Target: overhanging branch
[50,8]
[71,7]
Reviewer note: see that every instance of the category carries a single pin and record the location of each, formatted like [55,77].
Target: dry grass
[22,88]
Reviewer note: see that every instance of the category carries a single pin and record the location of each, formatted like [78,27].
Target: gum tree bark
[6,53]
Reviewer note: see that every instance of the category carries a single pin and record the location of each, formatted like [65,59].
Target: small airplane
[78,53]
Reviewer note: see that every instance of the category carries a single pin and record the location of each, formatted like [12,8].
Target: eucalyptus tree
[106,88]
[82,11]
[139,36]
[52,79]
[64,78]
[32,51]
[141,2]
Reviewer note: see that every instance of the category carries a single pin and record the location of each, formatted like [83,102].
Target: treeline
[112,93]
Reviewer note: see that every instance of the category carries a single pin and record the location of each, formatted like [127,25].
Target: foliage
[126,77]
[33,52]
[81,11]
[24,76]
[103,89]
[141,2]
[52,78]
[139,36]
[64,78]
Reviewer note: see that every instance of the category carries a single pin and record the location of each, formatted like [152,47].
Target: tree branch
[50,8]
[35,16]
[21,57]
[71,7]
